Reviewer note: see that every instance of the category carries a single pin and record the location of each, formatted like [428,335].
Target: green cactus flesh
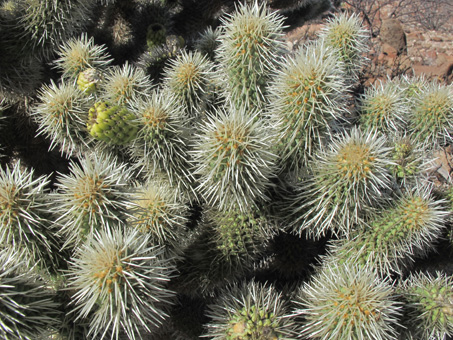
[111,123]
[252,324]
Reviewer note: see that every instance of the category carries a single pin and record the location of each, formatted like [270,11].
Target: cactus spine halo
[348,302]
[79,54]
[396,235]
[346,34]
[208,42]
[119,282]
[232,158]
[125,85]
[188,78]
[308,92]
[428,305]
[159,210]
[27,305]
[61,116]
[431,116]
[251,41]
[250,311]
[161,143]
[384,107]
[47,24]
[24,220]
[348,179]
[94,195]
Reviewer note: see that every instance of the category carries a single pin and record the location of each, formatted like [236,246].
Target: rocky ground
[401,39]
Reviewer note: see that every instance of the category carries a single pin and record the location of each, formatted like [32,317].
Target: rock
[389,50]
[438,39]
[392,33]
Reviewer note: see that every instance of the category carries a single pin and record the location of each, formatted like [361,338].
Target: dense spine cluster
[250,46]
[229,185]
[348,302]
[348,179]
[120,279]
[400,232]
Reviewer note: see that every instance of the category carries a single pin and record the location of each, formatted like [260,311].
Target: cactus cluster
[204,180]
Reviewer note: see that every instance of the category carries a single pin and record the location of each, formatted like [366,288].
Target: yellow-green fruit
[88,80]
[113,124]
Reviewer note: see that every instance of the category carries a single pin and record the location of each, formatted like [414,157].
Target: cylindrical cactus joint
[155,35]
[113,124]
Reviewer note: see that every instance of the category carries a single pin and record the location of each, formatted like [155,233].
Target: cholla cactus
[430,118]
[113,124]
[88,81]
[410,156]
[188,78]
[348,302]
[161,211]
[396,235]
[428,306]
[155,35]
[162,140]
[80,54]
[413,85]
[208,42]
[383,107]
[125,85]
[346,34]
[27,304]
[233,159]
[119,282]
[24,217]
[250,44]
[48,24]
[250,311]
[93,196]
[61,115]
[307,94]
[239,236]
[349,177]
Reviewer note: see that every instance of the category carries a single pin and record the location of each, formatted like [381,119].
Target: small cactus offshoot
[155,35]
[428,306]
[88,80]
[239,236]
[113,124]
[250,311]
